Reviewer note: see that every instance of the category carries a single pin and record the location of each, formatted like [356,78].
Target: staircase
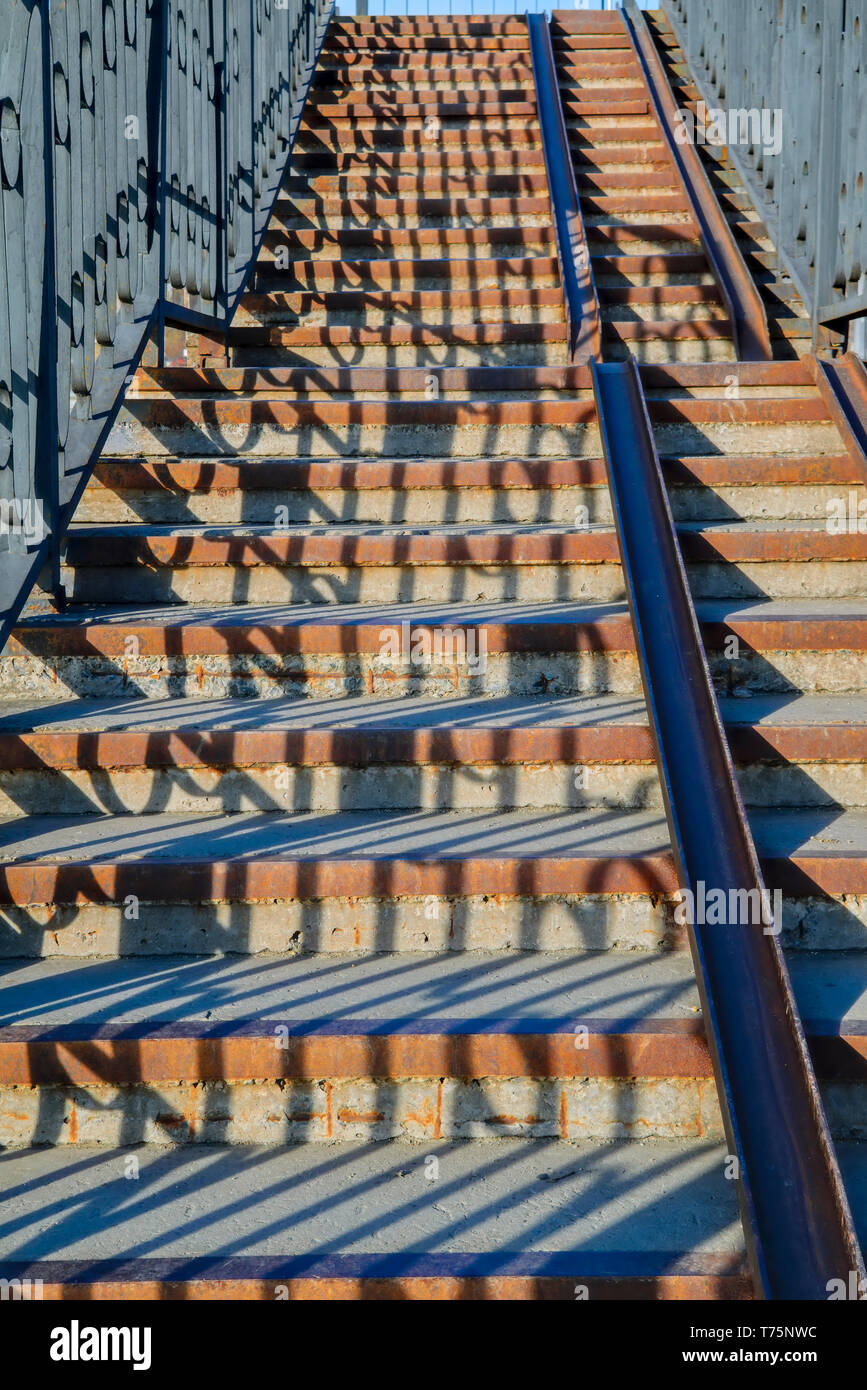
[337,897]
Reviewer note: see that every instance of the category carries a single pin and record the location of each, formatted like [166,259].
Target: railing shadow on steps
[142,145]
[797,1222]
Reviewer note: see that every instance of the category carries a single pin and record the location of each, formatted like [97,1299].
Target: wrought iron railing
[142,143]
[802,68]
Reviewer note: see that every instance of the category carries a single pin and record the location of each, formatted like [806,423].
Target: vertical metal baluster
[161,177]
[47,459]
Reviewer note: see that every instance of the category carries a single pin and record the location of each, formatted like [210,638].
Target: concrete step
[372,111]
[370,164]
[400,83]
[509,241]
[401,273]
[642,177]
[766,488]
[262,491]
[359,43]
[266,422]
[808,646]
[369,565]
[380,308]
[338,214]
[480,135]
[415,490]
[259,425]
[334,1048]
[674,346]
[363,564]
[607,238]
[781,393]
[497,1218]
[361,882]
[153,757]
[441,183]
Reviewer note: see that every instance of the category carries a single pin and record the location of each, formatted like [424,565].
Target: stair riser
[624,240]
[274,265]
[360,1287]
[331,677]
[652,280]
[578,922]
[200,790]
[765,504]
[373,584]
[375,1110]
[438,505]
[219,1112]
[485,922]
[132,436]
[653,313]
[378,276]
[785,580]
[418,507]
[332,221]
[462,243]
[403,314]
[532,353]
[771,671]
[404,83]
[419,137]
[234,427]
[225,584]
[618,349]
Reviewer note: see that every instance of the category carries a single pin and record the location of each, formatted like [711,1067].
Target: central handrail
[582,305]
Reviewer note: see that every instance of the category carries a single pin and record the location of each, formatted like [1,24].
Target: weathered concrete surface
[503,1195]
[437,922]
[370,1110]
[548,988]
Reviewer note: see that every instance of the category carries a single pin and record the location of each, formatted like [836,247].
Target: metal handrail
[802,65]
[142,145]
[582,305]
[744,303]
[797,1222]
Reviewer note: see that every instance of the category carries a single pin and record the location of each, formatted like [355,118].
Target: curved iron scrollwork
[142,143]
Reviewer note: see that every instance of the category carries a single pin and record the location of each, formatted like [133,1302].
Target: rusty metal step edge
[199,1050]
[444,1276]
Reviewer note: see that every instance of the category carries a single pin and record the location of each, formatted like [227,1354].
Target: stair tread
[419,993]
[332,993]
[410,712]
[358,529]
[455,614]
[421,836]
[522,1205]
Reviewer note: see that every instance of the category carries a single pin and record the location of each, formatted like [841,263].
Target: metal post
[47,455]
[162,182]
